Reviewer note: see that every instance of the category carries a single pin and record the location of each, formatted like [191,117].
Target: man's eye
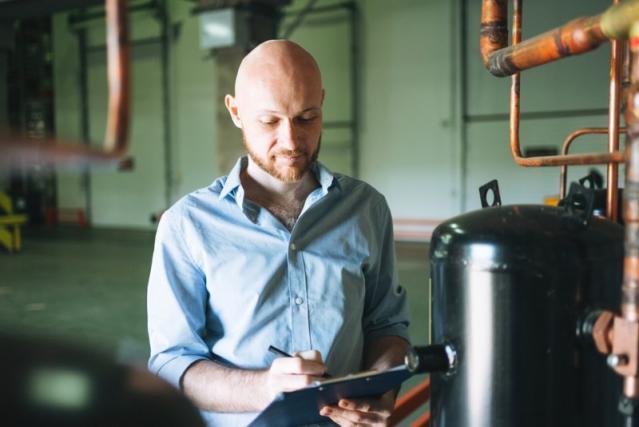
[305,119]
[268,121]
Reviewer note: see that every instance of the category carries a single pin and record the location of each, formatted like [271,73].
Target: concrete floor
[89,287]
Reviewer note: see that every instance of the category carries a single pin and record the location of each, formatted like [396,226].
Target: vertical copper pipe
[630,287]
[17,150]
[117,129]
[614,105]
[493,33]
[514,87]
[515,146]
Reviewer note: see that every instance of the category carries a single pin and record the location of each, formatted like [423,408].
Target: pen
[282,353]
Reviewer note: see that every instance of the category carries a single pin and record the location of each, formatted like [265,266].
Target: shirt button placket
[301,338]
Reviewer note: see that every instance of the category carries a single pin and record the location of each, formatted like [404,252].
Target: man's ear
[231,106]
[323,93]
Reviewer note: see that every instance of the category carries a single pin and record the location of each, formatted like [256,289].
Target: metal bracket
[483,193]
[579,203]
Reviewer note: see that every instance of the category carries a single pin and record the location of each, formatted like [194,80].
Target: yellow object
[551,200]
[10,225]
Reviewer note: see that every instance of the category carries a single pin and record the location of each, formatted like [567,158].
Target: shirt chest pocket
[337,288]
[244,281]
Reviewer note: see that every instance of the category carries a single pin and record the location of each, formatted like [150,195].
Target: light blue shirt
[228,280]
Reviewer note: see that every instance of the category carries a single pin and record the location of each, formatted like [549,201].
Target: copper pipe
[117,130]
[626,328]
[515,148]
[515,86]
[614,106]
[576,37]
[494,28]
[566,146]
[17,150]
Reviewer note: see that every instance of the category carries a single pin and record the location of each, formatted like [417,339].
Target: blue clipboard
[301,407]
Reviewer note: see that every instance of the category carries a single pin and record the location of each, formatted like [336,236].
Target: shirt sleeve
[385,311]
[176,302]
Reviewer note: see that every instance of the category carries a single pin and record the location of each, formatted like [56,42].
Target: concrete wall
[412,117]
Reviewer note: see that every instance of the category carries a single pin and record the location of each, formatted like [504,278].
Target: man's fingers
[335,416]
[310,355]
[297,365]
[365,405]
[349,417]
[295,382]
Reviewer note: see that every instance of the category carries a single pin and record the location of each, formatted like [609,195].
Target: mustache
[290,153]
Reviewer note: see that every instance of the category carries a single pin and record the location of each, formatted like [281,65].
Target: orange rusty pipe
[17,150]
[410,402]
[422,421]
[566,147]
[576,37]
[515,148]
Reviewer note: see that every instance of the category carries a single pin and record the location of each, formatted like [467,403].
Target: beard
[290,173]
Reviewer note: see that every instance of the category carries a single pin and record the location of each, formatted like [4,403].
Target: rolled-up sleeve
[385,312]
[176,301]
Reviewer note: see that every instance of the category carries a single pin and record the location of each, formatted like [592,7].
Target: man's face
[280,115]
[281,129]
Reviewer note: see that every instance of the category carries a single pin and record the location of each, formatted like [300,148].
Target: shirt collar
[324,176]
[233,182]
[233,179]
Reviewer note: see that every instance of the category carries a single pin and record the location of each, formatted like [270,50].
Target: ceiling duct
[239,23]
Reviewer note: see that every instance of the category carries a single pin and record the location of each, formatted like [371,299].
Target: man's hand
[218,388]
[361,412]
[292,373]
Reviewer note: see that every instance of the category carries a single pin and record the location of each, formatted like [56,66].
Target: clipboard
[301,407]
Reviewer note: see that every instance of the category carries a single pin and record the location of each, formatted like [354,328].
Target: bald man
[280,252]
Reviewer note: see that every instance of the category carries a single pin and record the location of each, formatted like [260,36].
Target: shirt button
[293,246]
[299,301]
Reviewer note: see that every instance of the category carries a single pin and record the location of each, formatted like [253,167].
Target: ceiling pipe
[17,151]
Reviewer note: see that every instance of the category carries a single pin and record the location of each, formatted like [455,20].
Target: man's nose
[288,135]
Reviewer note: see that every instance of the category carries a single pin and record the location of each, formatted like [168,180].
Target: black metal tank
[511,286]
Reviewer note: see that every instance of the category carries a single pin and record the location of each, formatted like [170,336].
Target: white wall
[409,151]
[193,77]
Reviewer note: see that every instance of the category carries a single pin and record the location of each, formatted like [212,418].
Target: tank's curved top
[521,231]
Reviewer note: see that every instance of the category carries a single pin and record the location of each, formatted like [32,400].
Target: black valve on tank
[431,358]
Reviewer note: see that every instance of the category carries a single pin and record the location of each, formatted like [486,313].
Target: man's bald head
[278,105]
[277,63]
